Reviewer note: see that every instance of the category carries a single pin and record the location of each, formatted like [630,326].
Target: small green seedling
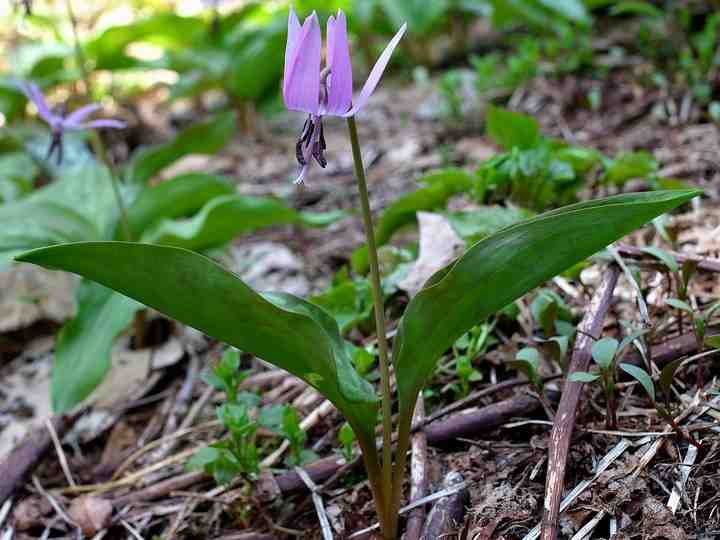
[296,437]
[605,353]
[346,436]
[665,381]
[700,320]
[226,375]
[527,361]
[473,344]
[238,454]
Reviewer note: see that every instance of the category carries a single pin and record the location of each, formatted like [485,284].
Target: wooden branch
[632,252]
[591,325]
[448,513]
[15,467]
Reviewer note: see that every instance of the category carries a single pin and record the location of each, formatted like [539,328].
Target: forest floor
[131,446]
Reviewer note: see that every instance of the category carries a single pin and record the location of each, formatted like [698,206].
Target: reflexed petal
[33,93]
[338,60]
[301,88]
[376,73]
[72,120]
[292,38]
[104,123]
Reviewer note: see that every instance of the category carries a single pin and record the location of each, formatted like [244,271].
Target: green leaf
[226,217]
[570,9]
[474,225]
[679,304]
[201,138]
[667,258]
[441,185]
[511,129]
[79,205]
[642,377]
[421,17]
[165,29]
[628,165]
[503,267]
[583,377]
[180,196]
[668,373]
[280,328]
[603,351]
[637,8]
[713,341]
[82,353]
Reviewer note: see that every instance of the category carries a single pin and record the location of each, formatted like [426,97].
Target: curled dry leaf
[91,514]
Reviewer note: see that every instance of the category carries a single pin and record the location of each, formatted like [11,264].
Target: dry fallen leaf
[29,294]
[439,245]
[91,514]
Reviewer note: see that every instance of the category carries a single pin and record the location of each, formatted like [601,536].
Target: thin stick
[418,475]
[591,325]
[379,308]
[318,502]
[59,451]
[432,497]
[679,487]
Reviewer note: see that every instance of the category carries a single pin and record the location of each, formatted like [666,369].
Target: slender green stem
[95,140]
[379,324]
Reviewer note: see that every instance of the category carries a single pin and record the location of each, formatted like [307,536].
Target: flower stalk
[95,140]
[379,309]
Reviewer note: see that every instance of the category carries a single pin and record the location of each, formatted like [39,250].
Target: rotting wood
[448,513]
[590,327]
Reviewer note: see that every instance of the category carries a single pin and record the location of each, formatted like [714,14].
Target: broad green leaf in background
[78,206]
[603,351]
[628,165]
[640,375]
[511,129]
[201,138]
[165,29]
[227,216]
[421,16]
[473,225]
[180,196]
[12,100]
[17,172]
[287,331]
[637,8]
[679,304]
[584,377]
[668,374]
[82,353]
[441,185]
[663,256]
[571,9]
[506,265]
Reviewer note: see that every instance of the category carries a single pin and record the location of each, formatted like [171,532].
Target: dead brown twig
[418,475]
[591,325]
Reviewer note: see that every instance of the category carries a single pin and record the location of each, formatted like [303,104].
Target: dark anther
[56,145]
[305,135]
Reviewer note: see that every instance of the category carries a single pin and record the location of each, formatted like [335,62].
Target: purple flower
[60,123]
[328,92]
